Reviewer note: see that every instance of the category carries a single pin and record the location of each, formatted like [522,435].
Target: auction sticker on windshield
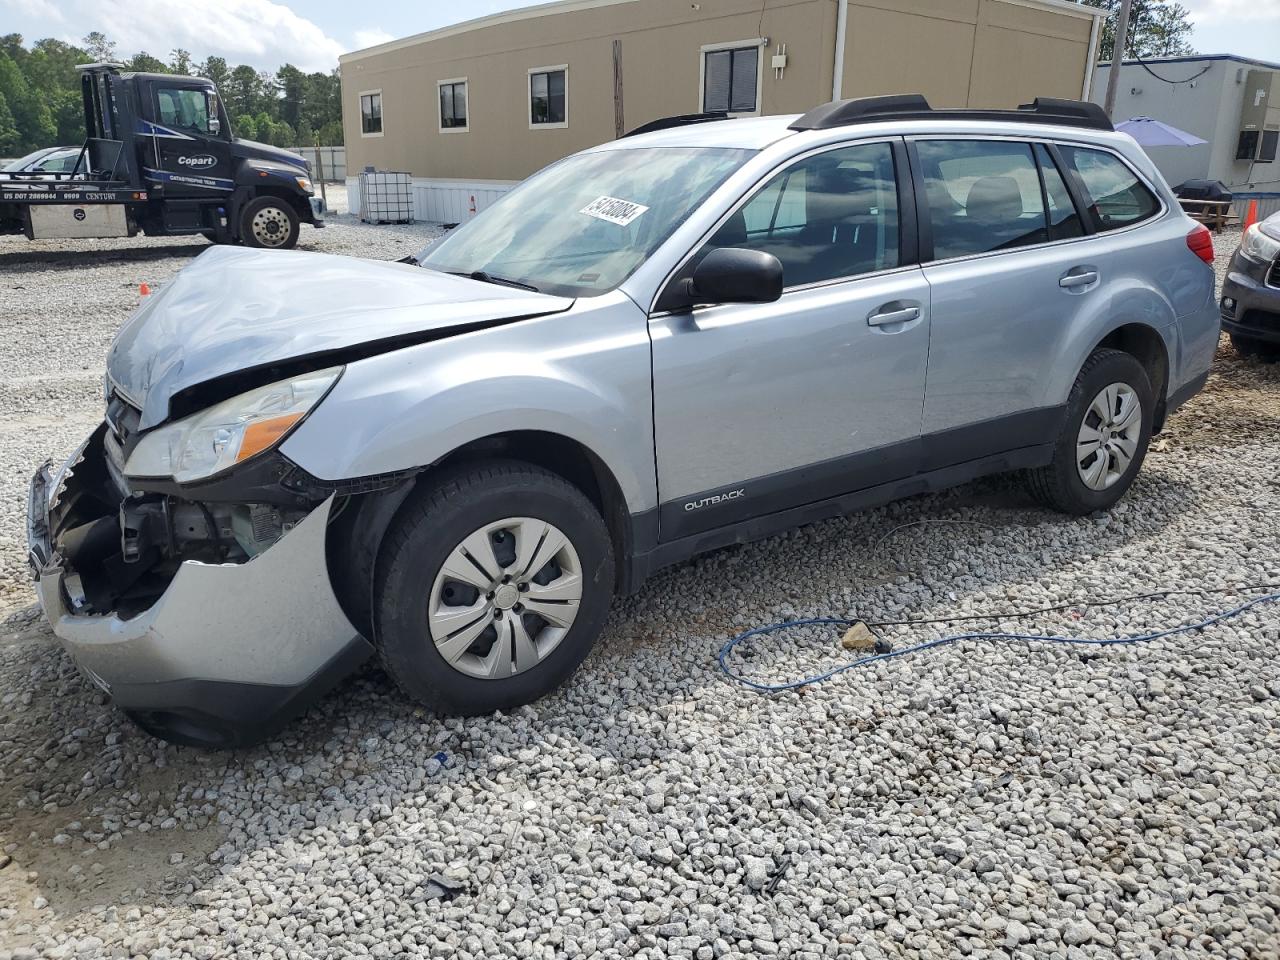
[613,210]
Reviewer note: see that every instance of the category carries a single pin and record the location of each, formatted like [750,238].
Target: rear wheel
[1104,438]
[269,222]
[492,587]
[1258,349]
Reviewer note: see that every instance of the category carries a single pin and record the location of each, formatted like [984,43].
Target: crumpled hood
[233,309]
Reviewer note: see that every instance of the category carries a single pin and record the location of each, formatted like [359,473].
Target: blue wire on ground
[772,628]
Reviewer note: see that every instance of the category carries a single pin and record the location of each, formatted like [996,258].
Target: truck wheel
[493,584]
[269,222]
[1104,439]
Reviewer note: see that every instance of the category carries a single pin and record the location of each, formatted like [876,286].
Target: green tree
[30,114]
[1157,28]
[143,62]
[242,91]
[180,62]
[9,136]
[330,134]
[215,69]
[99,47]
[245,127]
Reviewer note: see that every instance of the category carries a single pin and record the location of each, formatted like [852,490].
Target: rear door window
[1115,195]
[982,196]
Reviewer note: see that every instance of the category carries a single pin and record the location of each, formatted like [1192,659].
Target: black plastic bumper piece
[1250,307]
[220,715]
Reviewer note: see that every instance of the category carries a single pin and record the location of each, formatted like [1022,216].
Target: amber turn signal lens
[265,434]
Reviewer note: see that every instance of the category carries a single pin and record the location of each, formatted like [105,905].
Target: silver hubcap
[505,598]
[270,226]
[1108,438]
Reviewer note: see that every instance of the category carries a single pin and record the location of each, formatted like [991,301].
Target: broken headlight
[230,432]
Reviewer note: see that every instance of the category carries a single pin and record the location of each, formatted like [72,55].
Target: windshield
[23,162]
[583,225]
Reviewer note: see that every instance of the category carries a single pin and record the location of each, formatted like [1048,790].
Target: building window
[1247,146]
[453,104]
[731,77]
[1270,138]
[371,113]
[549,96]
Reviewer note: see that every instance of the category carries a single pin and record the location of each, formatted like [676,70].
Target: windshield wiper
[484,277]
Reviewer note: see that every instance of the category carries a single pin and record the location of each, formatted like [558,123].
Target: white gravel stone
[981,799]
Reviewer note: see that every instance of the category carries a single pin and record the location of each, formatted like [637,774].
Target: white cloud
[371,38]
[262,33]
[1216,11]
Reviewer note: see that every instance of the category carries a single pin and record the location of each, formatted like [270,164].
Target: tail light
[1200,242]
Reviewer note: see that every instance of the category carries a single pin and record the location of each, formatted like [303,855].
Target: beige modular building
[471,109]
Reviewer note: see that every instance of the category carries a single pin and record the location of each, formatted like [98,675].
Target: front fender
[584,375]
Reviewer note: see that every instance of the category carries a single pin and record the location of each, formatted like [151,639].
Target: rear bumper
[227,653]
[1250,308]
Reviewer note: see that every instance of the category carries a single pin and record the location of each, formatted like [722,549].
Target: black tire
[1059,485]
[1257,349]
[278,228]
[431,524]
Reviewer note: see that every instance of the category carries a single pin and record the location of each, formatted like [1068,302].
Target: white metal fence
[334,159]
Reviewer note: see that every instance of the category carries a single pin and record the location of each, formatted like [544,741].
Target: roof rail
[683,120]
[912,106]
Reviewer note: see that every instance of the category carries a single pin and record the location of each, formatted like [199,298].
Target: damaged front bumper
[226,652]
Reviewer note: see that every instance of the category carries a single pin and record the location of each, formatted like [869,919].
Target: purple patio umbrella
[1154,133]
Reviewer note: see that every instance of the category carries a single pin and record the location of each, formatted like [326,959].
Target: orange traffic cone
[144,289]
[1251,217]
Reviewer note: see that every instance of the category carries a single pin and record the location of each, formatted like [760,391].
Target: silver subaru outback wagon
[690,337]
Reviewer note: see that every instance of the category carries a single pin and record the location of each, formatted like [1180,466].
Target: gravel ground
[976,800]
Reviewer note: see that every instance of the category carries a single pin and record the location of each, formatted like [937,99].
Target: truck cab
[213,182]
[160,156]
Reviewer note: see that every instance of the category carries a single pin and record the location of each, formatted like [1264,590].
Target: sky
[312,33]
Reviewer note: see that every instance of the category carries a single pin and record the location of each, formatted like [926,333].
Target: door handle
[1080,277]
[884,319]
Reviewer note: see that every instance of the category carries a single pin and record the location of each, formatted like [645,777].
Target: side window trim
[1050,148]
[1075,187]
[907,225]
[919,192]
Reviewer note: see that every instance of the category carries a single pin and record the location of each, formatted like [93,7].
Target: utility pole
[1117,56]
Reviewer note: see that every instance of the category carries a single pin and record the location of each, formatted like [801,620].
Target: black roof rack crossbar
[667,123]
[840,113]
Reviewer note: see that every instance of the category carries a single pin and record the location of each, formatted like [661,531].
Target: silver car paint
[272,620]
[809,376]
[584,374]
[234,309]
[390,413]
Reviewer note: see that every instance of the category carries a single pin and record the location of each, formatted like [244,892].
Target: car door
[1005,277]
[762,407]
[191,147]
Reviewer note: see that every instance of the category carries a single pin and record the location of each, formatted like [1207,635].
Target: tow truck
[160,158]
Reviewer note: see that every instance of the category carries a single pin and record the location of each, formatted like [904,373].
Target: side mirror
[733,275]
[215,126]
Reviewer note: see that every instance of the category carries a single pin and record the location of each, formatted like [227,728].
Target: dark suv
[1251,292]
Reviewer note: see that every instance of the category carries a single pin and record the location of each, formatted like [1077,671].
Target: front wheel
[269,222]
[492,586]
[1104,438]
